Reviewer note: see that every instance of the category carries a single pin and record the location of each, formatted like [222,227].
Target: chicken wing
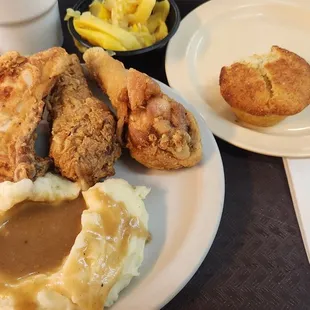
[24,82]
[84,145]
[159,132]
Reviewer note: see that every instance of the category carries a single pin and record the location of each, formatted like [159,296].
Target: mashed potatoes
[48,188]
[106,253]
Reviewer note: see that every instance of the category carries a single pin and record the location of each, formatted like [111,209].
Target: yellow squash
[161,31]
[153,22]
[101,39]
[126,39]
[143,12]
[98,9]
[160,13]
[143,34]
[163,8]
[121,25]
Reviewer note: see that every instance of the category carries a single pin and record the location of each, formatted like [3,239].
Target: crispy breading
[161,133]
[84,145]
[24,82]
[113,82]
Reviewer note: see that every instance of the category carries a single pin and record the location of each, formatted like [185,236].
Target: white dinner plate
[185,208]
[221,32]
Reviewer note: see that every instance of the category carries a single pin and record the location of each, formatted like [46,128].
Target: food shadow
[43,133]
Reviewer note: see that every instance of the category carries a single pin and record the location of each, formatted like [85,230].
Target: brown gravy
[35,237]
[118,223]
[50,231]
[118,228]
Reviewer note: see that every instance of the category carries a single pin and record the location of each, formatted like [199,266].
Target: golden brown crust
[161,133]
[273,84]
[156,156]
[244,88]
[83,146]
[140,88]
[24,82]
[112,81]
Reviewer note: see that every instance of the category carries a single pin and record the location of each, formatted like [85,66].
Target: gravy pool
[35,237]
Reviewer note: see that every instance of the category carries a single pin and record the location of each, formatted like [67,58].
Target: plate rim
[168,295]
[204,245]
[244,138]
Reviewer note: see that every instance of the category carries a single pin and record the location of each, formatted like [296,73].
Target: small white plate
[185,208]
[221,32]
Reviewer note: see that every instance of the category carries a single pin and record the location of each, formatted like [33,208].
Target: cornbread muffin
[264,89]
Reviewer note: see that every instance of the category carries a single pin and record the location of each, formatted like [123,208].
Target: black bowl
[173,22]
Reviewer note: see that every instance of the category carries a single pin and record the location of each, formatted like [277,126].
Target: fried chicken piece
[84,145]
[24,82]
[161,133]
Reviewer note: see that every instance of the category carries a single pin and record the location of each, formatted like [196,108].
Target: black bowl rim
[157,45]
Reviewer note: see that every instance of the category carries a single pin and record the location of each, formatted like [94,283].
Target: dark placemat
[257,260]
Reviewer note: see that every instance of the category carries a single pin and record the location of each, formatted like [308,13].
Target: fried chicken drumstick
[84,145]
[24,82]
[159,132]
